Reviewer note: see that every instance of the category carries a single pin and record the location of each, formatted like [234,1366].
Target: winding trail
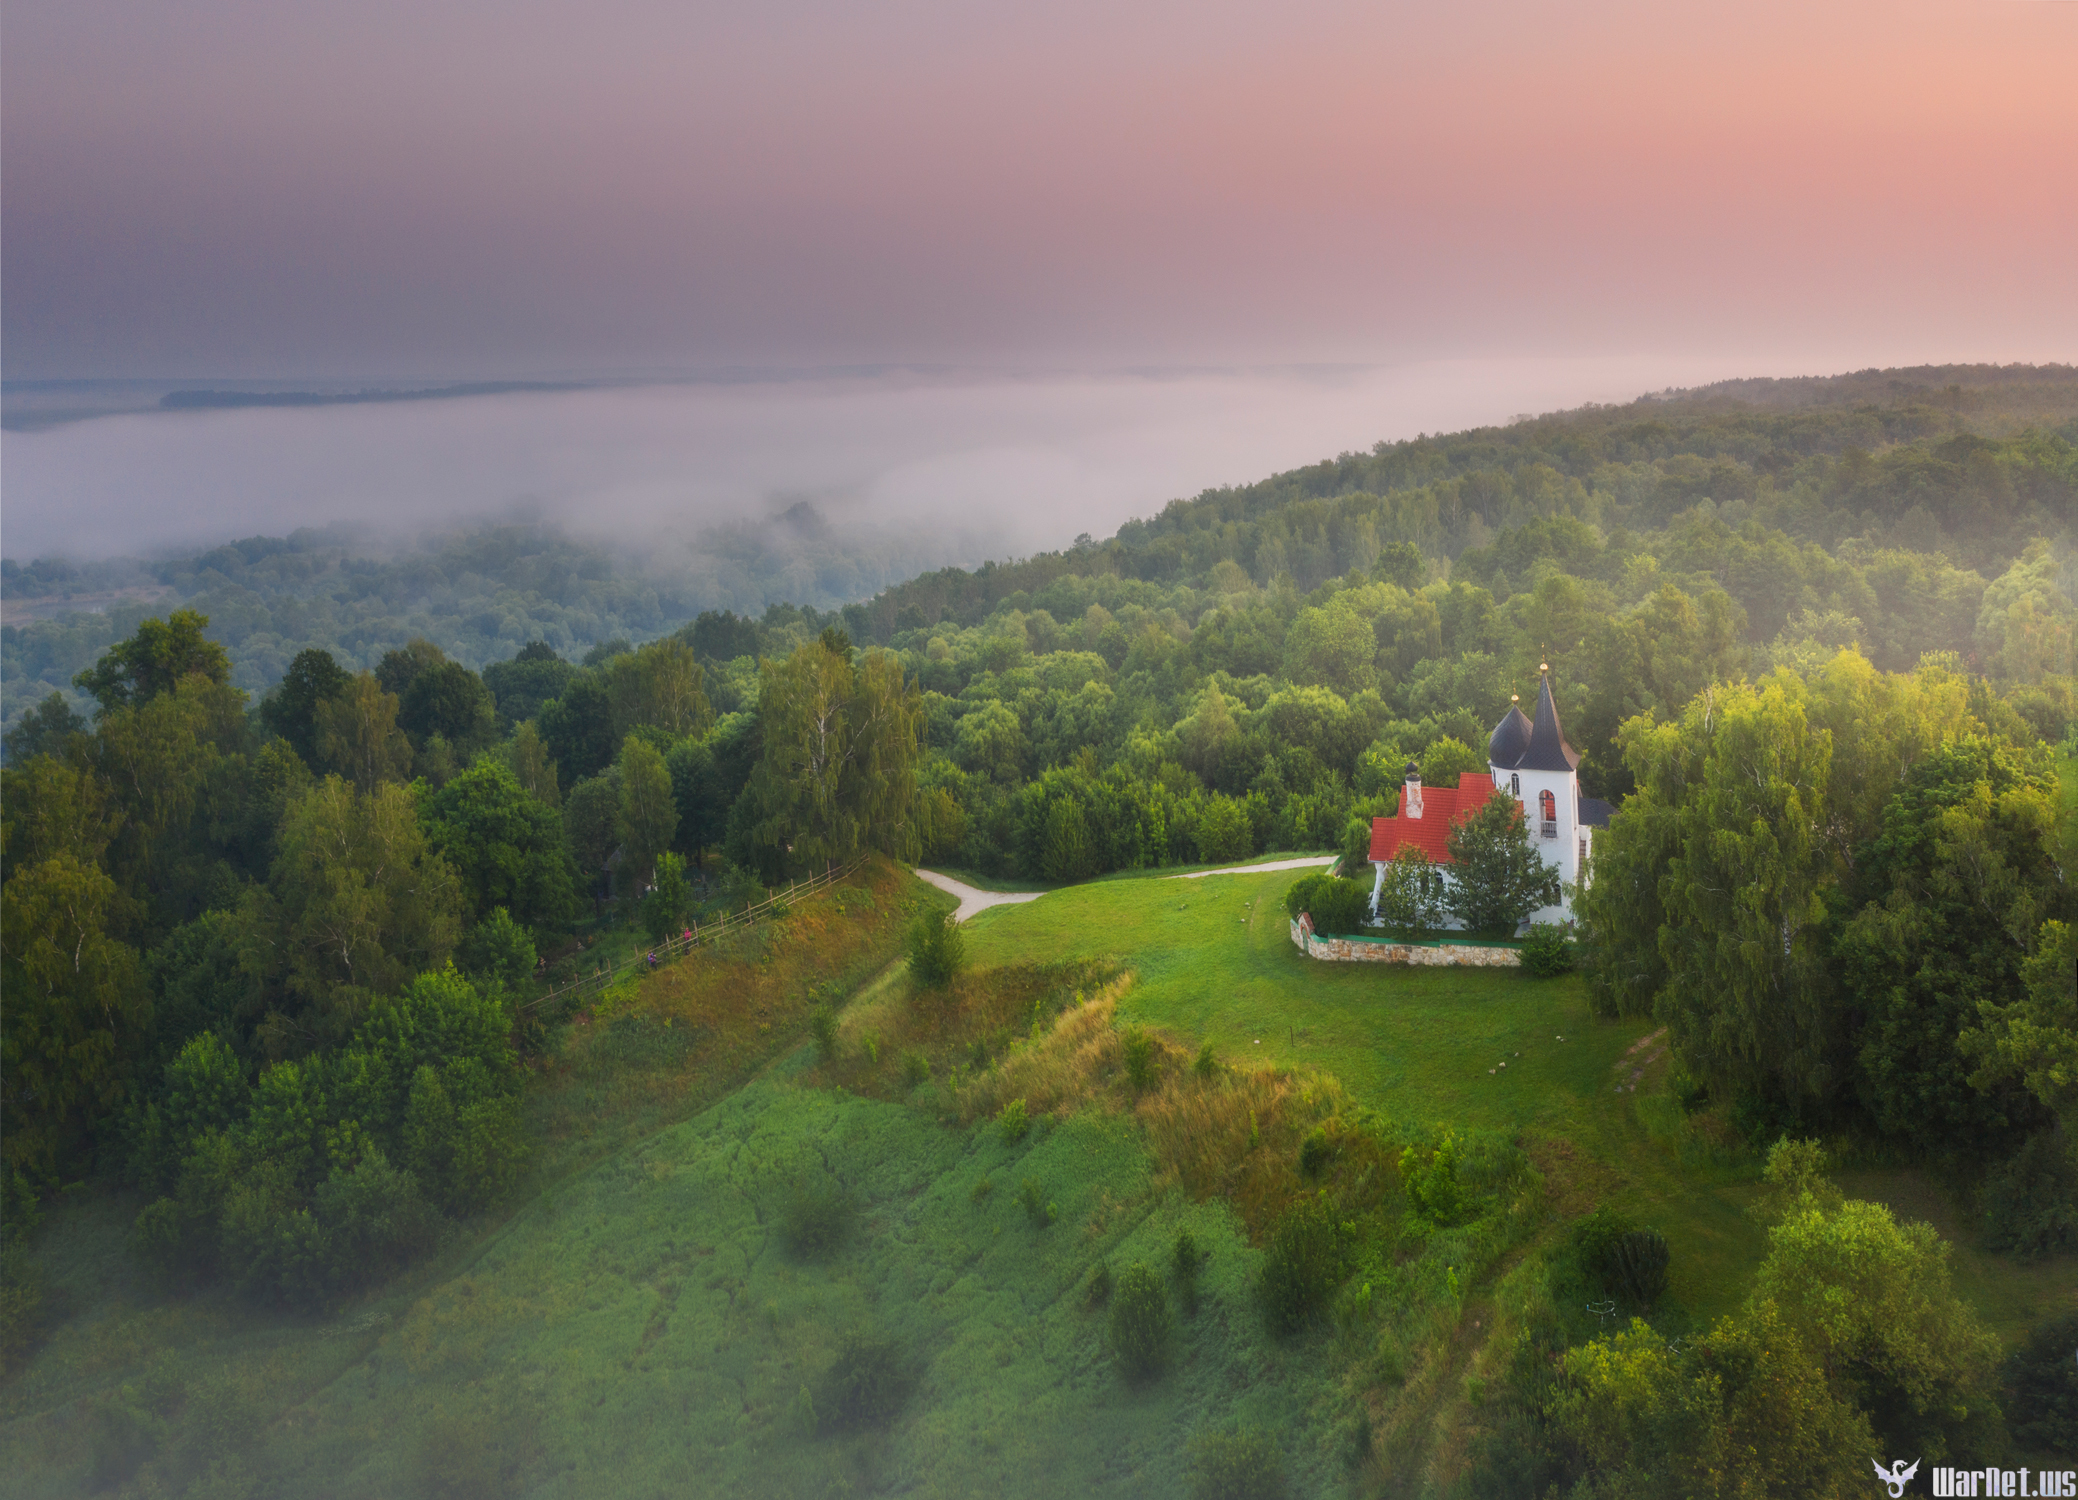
[972,900]
[1282,864]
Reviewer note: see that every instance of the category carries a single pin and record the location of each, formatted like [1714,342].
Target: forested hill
[481,592]
[1969,462]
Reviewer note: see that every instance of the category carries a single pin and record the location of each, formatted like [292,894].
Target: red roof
[1441,806]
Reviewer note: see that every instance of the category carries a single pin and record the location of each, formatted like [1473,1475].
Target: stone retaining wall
[1360,950]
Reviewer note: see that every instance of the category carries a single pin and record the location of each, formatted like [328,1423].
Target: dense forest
[277,879]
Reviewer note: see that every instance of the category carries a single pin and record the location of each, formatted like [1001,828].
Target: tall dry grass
[1230,1133]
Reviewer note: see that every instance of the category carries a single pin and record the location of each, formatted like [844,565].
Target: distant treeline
[231,400]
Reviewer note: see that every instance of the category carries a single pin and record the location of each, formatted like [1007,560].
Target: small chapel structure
[1528,760]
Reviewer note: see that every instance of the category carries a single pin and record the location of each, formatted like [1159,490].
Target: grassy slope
[637,1328]
[1214,961]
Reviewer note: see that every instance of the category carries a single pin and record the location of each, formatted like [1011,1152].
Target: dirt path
[971,900]
[1282,864]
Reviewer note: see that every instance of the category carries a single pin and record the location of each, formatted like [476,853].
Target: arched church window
[1515,786]
[1547,807]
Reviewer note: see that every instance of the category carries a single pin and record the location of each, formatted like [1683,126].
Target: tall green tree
[155,660]
[658,686]
[1960,881]
[358,737]
[841,746]
[291,709]
[356,904]
[78,1013]
[450,701]
[1497,876]
[505,846]
[648,812]
[578,729]
[533,677]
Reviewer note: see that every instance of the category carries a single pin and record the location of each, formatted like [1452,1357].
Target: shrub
[1635,1268]
[1012,1121]
[21,1303]
[1431,1180]
[2031,1202]
[937,950]
[1096,1291]
[1298,896]
[1410,897]
[1336,905]
[813,1219]
[2042,1388]
[1239,1464]
[1315,1152]
[864,1386]
[1187,1260]
[916,1068]
[1303,1263]
[376,1221]
[1207,1065]
[1140,1059]
[823,1025]
[1032,1199]
[1548,952]
[1140,1323]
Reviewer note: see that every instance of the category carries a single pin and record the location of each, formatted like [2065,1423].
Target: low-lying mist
[978,466]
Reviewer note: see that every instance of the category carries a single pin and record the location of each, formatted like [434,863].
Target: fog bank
[994,464]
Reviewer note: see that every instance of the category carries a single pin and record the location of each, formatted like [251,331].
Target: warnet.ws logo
[1982,1484]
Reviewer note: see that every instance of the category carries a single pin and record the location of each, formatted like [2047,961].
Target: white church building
[1529,760]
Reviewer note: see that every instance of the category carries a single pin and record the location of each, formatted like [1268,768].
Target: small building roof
[1442,808]
[1511,737]
[1543,747]
[1594,812]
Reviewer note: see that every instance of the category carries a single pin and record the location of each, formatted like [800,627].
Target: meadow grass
[1213,961]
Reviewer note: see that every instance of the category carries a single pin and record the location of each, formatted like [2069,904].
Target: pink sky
[382,188]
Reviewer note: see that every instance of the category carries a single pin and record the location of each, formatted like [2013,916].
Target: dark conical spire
[1511,737]
[1548,750]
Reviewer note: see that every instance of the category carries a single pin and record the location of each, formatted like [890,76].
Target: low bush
[1315,1152]
[1303,1262]
[1141,1059]
[1431,1179]
[1238,1464]
[822,1025]
[1140,1323]
[916,1068]
[1013,1122]
[1032,1199]
[1549,950]
[1185,1263]
[937,950]
[1337,906]
[2031,1202]
[1096,1290]
[1207,1065]
[865,1385]
[1619,1260]
[1635,1270]
[2041,1380]
[813,1219]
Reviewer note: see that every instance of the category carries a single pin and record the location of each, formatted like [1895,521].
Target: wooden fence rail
[680,944]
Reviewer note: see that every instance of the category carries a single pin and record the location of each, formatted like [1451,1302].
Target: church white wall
[1556,840]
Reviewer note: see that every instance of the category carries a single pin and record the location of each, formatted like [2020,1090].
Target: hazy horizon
[993,464]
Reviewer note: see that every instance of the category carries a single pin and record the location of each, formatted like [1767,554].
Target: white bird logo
[1897,1476]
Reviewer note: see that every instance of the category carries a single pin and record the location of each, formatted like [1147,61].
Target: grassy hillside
[1214,962]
